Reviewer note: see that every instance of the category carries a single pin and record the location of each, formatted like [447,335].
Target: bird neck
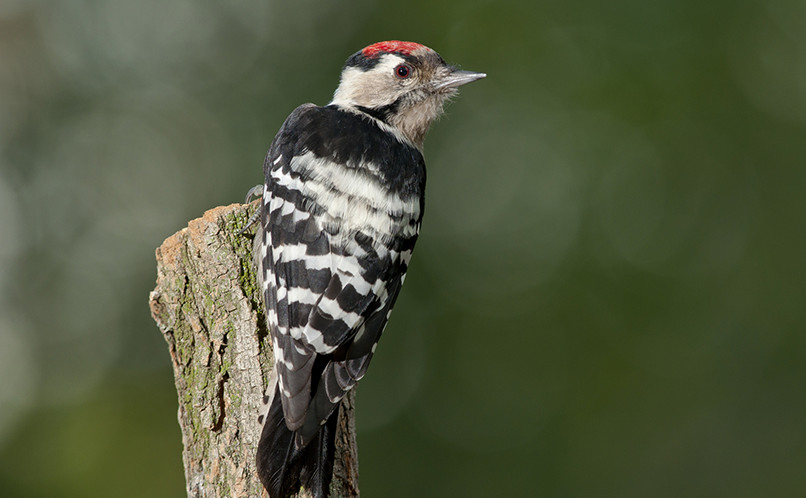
[400,123]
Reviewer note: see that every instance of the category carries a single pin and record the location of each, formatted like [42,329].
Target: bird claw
[253,192]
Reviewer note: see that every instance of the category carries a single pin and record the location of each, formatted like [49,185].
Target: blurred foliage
[607,297]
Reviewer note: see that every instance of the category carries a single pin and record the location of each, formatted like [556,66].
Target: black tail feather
[276,453]
[283,467]
[317,466]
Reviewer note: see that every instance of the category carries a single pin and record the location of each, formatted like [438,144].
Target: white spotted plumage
[343,201]
[361,221]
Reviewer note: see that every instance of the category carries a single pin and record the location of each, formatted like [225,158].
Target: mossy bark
[210,312]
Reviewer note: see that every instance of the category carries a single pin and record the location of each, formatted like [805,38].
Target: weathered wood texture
[208,307]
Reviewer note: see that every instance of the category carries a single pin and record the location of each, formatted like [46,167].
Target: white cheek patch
[371,88]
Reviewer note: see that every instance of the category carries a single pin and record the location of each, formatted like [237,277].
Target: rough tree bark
[208,307]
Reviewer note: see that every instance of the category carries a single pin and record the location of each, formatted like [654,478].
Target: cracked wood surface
[209,310]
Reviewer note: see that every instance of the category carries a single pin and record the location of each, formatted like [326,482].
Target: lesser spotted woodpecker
[342,204]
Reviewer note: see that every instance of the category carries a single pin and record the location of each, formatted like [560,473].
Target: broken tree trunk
[210,312]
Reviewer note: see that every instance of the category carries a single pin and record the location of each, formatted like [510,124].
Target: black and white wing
[337,235]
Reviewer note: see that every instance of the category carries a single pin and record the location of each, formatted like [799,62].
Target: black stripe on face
[382,113]
[362,62]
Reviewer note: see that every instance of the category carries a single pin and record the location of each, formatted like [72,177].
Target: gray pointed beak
[458,78]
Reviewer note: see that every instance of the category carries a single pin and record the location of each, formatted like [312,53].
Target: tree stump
[211,313]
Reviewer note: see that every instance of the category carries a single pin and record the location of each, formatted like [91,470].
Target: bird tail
[283,464]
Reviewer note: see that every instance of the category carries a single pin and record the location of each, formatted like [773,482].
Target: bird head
[402,84]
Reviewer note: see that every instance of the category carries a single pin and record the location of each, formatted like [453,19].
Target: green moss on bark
[207,304]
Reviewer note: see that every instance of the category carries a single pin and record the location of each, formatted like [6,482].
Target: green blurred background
[608,294]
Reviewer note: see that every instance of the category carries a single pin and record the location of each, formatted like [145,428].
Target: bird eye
[403,71]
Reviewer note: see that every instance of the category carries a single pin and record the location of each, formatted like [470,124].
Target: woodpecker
[342,204]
